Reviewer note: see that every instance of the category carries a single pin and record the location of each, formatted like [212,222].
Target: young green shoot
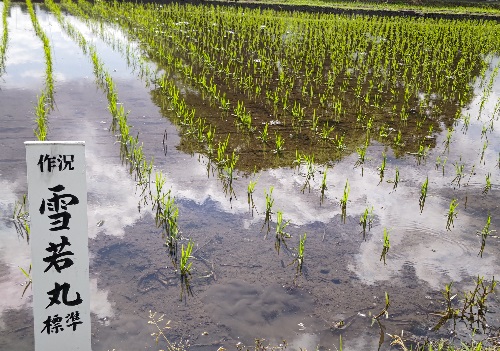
[366,220]
[386,247]
[279,144]
[452,213]
[264,134]
[269,209]
[20,217]
[396,179]
[381,169]
[250,191]
[459,173]
[423,194]
[384,312]
[281,235]
[309,160]
[27,275]
[185,268]
[299,259]
[343,200]
[487,187]
[484,233]
[323,185]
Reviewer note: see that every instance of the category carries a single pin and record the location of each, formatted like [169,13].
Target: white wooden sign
[57,194]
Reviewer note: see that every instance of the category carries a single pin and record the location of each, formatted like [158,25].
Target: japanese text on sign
[58,211]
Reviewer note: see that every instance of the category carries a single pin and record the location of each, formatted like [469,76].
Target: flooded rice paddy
[379,136]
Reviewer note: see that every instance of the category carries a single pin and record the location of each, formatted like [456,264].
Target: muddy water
[242,288]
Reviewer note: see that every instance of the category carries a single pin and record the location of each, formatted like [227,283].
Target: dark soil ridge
[334,10]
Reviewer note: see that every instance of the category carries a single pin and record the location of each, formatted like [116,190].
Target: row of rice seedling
[45,101]
[5,35]
[153,192]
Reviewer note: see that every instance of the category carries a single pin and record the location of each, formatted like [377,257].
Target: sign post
[57,194]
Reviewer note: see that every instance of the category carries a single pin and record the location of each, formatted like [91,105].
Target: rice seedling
[210,140]
[447,141]
[485,145]
[314,121]
[29,281]
[298,159]
[227,175]
[297,115]
[385,311]
[264,134]
[185,268]
[325,132]
[487,187]
[398,139]
[221,151]
[184,264]
[46,98]
[20,218]
[243,118]
[459,172]
[466,122]
[299,258]
[386,246]
[339,143]
[41,118]
[361,156]
[423,194]
[421,153]
[279,144]
[366,220]
[269,208]
[250,191]
[167,218]
[323,186]
[309,160]
[450,312]
[281,235]
[473,307]
[381,169]
[484,233]
[452,213]
[396,179]
[343,200]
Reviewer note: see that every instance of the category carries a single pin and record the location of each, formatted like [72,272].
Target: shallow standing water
[242,288]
